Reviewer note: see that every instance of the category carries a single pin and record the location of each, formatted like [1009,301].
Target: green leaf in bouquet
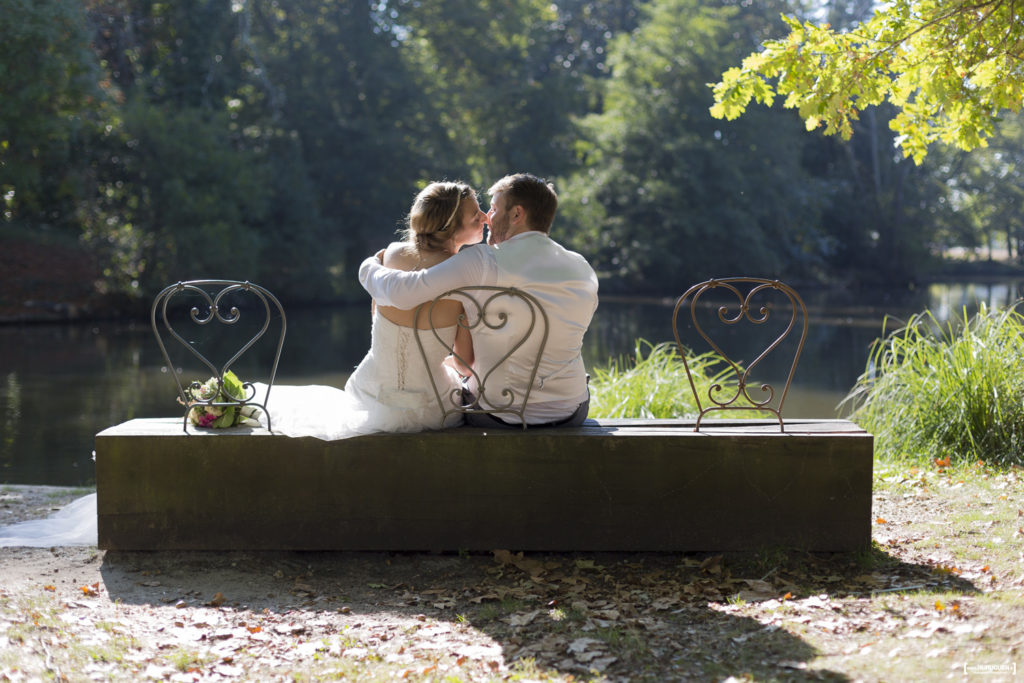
[233,386]
[227,419]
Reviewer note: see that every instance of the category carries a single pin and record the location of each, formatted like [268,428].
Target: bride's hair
[435,215]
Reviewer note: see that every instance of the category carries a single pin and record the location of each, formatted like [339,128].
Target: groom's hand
[380,256]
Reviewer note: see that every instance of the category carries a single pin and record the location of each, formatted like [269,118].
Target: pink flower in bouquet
[230,394]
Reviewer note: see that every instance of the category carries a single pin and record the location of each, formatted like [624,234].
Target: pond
[61,384]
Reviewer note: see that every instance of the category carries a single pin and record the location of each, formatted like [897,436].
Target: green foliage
[948,67]
[507,76]
[195,202]
[283,142]
[365,132]
[652,383]
[50,99]
[989,192]
[668,196]
[951,392]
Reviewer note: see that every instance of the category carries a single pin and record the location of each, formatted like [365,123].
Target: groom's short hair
[533,194]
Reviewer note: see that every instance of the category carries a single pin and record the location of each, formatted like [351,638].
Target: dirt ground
[937,597]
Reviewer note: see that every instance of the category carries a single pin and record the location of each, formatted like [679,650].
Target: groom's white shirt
[561,280]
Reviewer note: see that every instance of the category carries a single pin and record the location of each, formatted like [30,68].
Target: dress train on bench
[390,391]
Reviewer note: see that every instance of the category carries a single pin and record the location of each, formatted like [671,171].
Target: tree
[668,195]
[51,97]
[948,67]
[988,190]
[365,132]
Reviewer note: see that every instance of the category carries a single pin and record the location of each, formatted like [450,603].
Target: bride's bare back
[403,256]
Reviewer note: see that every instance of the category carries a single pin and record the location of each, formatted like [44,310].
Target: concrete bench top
[172,427]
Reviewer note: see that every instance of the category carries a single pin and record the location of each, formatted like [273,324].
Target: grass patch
[623,642]
[652,384]
[951,394]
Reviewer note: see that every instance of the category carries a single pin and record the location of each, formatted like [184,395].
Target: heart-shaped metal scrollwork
[488,308]
[211,308]
[744,310]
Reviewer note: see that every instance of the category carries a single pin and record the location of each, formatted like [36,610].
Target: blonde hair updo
[436,214]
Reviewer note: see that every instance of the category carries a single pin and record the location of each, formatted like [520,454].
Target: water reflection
[63,383]
[947,301]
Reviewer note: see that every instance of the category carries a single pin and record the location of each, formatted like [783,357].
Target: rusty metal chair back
[216,301]
[746,309]
[492,308]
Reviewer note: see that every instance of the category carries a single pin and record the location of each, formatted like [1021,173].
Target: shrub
[946,391]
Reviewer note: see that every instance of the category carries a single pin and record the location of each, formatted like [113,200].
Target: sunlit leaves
[949,68]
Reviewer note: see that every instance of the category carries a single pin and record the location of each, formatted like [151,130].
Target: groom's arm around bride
[520,254]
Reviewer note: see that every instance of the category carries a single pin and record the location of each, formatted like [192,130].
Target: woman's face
[471,230]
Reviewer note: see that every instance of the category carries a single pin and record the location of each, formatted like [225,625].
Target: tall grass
[651,383]
[956,391]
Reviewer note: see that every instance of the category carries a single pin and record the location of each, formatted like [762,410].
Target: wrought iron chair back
[488,307]
[213,296]
[742,399]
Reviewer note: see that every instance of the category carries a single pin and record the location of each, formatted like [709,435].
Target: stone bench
[611,485]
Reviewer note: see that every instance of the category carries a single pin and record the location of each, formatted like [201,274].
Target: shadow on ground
[622,615]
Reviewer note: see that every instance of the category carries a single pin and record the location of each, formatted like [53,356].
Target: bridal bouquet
[207,400]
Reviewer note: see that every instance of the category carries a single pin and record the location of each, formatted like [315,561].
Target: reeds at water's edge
[652,383]
[948,392]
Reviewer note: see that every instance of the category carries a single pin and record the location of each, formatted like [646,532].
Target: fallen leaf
[91,590]
[217,600]
[602,663]
[581,645]
[534,568]
[524,618]
[664,603]
[712,564]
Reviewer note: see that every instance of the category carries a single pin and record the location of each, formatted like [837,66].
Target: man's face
[498,219]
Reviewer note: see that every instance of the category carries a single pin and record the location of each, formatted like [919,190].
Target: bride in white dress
[390,390]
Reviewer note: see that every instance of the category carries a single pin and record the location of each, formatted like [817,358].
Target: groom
[519,253]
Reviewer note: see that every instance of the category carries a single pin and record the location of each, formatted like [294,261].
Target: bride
[390,390]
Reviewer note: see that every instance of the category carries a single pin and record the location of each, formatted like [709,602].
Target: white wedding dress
[390,391]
